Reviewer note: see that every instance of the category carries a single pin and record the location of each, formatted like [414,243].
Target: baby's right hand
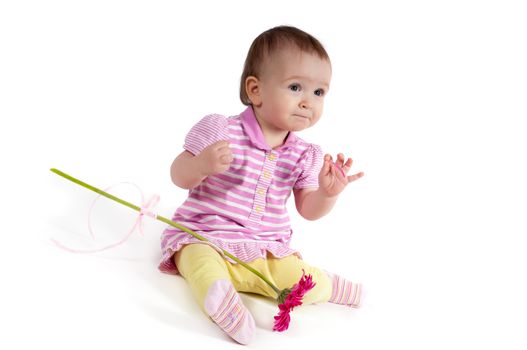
[215,159]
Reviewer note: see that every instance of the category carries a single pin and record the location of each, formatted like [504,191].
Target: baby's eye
[319,92]
[294,87]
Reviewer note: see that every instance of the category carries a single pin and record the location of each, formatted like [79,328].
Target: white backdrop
[429,98]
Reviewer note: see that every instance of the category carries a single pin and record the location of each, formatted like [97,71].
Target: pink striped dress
[243,210]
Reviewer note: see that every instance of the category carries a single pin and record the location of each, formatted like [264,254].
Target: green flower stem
[166,221]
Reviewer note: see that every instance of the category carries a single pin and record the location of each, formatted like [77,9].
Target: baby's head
[287,72]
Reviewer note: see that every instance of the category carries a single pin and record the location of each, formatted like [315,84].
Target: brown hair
[270,41]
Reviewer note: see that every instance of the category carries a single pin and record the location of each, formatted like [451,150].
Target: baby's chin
[300,126]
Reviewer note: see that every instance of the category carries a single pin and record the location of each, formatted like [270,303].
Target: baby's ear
[252,87]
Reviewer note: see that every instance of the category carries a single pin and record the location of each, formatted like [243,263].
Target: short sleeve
[311,163]
[211,129]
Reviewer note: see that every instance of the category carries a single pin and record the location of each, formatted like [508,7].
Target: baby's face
[293,87]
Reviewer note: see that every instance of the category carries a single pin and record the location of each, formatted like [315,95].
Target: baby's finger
[226,159]
[332,169]
[221,144]
[325,166]
[347,165]
[340,160]
[355,177]
[224,151]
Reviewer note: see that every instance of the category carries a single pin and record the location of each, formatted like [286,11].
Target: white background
[428,97]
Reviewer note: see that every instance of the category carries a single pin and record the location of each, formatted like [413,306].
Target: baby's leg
[329,287]
[288,271]
[206,272]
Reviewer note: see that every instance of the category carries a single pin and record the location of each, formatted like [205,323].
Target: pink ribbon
[339,168]
[145,209]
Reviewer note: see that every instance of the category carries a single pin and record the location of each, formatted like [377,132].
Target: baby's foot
[345,292]
[226,309]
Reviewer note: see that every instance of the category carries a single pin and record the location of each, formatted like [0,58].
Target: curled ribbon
[145,209]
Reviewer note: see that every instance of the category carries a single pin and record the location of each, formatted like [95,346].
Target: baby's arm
[313,204]
[187,170]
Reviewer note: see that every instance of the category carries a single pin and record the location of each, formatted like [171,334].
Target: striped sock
[226,309]
[345,292]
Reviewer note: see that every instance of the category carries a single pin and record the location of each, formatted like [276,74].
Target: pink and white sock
[345,292]
[224,306]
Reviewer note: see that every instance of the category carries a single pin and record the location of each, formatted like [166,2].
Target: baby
[240,171]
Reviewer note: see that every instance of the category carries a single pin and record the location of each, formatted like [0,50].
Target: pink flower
[293,299]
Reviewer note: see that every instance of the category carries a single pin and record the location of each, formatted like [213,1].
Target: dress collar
[253,130]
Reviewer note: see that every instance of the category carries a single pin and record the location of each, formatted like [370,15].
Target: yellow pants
[201,265]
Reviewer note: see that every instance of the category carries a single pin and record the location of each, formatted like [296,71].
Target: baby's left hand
[332,178]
